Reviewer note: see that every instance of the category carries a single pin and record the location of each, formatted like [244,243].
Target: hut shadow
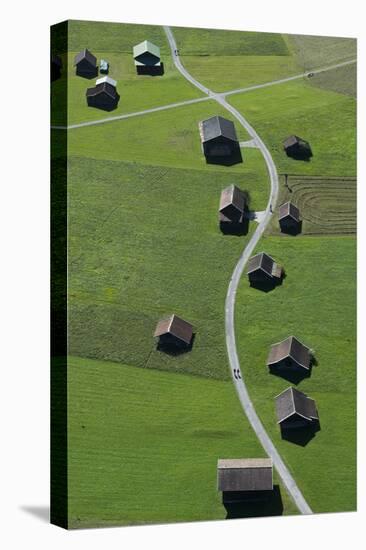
[268,286]
[294,228]
[238,229]
[305,156]
[240,505]
[40,512]
[88,75]
[226,160]
[106,108]
[294,376]
[175,350]
[150,70]
[300,436]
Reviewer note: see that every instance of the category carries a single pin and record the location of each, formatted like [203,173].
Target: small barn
[174,332]
[147,58]
[242,478]
[297,148]
[264,271]
[102,96]
[289,218]
[56,66]
[289,354]
[86,64]
[294,409]
[218,138]
[232,205]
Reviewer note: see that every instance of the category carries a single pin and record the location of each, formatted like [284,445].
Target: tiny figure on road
[239,375]
[270,208]
[234,371]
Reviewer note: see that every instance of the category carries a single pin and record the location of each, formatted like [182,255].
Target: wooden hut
[86,64]
[294,409]
[297,148]
[103,96]
[232,205]
[243,478]
[147,58]
[175,332]
[218,138]
[289,354]
[289,218]
[262,270]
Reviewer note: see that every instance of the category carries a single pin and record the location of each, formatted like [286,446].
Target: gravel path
[239,382]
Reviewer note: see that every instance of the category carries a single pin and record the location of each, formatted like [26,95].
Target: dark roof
[217,126]
[290,347]
[102,88]
[293,401]
[85,54]
[245,474]
[295,140]
[289,209]
[261,261]
[234,196]
[176,326]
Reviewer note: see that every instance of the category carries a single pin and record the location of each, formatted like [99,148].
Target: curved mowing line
[241,389]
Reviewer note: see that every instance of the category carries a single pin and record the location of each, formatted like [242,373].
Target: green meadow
[317,304]
[144,445]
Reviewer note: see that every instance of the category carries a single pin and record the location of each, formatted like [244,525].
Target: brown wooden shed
[244,478]
[263,271]
[232,204]
[86,64]
[218,138]
[102,96]
[173,331]
[295,409]
[297,148]
[289,354]
[289,218]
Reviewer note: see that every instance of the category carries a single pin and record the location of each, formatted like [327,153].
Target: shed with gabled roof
[297,148]
[232,205]
[103,96]
[263,270]
[244,475]
[289,354]
[295,409]
[86,64]
[289,218]
[146,53]
[174,331]
[218,137]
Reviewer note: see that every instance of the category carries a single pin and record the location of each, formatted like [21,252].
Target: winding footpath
[239,383]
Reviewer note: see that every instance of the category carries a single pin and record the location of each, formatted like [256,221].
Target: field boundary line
[239,383]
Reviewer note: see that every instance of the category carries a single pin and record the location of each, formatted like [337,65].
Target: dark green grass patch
[114,37]
[327,205]
[169,138]
[144,242]
[316,303]
[327,120]
[224,42]
[143,445]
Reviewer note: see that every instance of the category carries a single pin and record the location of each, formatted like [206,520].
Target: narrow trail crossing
[239,383]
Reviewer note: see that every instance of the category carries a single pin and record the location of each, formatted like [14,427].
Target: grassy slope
[114,42]
[223,60]
[326,119]
[169,138]
[150,443]
[144,242]
[317,303]
[313,52]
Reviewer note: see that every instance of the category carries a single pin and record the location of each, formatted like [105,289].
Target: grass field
[326,119]
[144,242]
[313,52]
[317,303]
[144,445]
[342,80]
[327,205]
[164,138]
